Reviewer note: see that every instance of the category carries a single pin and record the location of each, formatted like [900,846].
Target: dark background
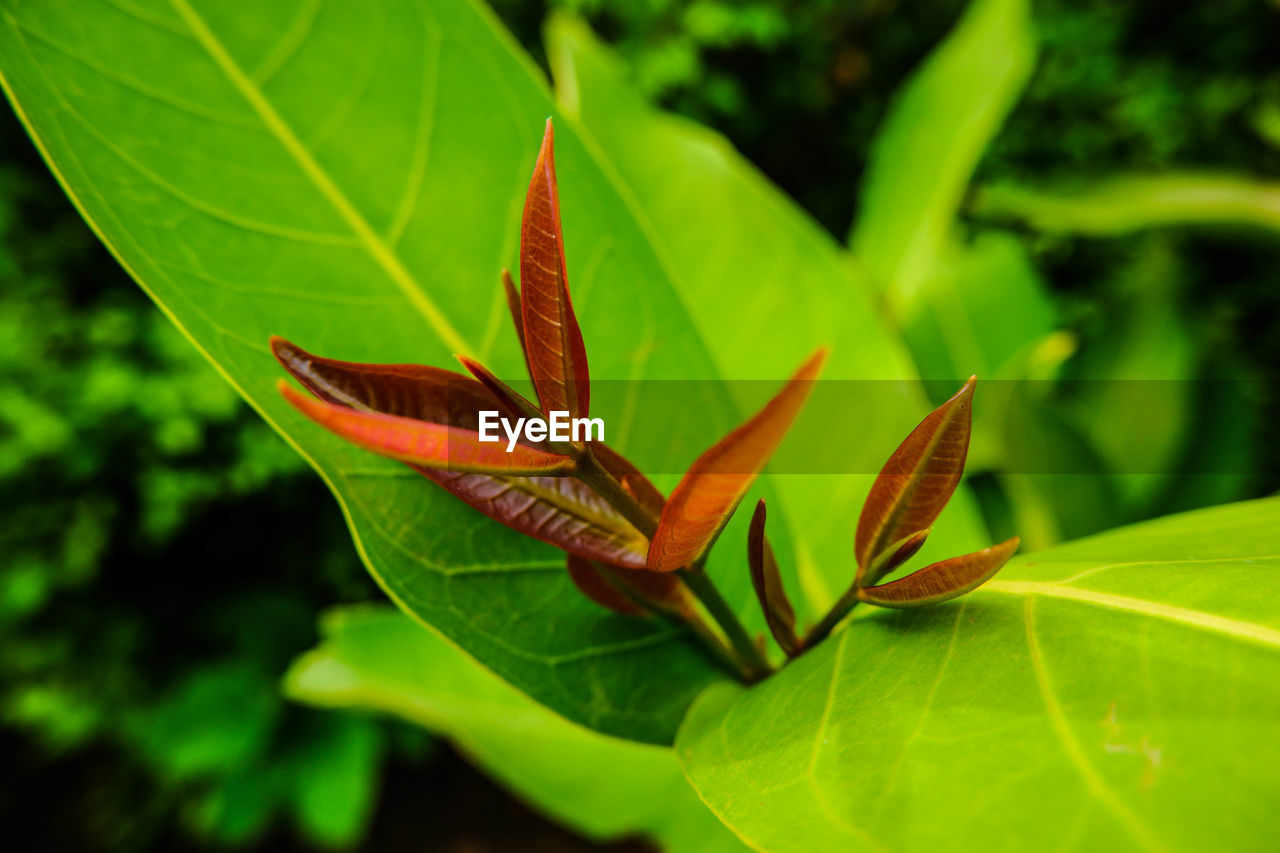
[165,555]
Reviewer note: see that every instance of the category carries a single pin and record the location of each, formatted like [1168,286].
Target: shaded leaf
[899,552]
[1128,203]
[778,612]
[917,481]
[553,343]
[943,580]
[710,490]
[632,592]
[375,659]
[425,444]
[588,576]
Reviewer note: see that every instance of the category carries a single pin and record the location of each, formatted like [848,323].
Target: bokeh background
[163,556]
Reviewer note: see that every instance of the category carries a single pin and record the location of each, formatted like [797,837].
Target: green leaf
[926,150]
[355,185]
[606,788]
[1114,693]
[1127,203]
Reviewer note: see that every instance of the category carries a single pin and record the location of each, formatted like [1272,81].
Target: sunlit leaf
[943,580]
[553,343]
[917,481]
[711,489]
[1087,699]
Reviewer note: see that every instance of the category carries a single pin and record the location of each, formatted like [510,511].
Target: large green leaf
[1119,692]
[350,175]
[377,659]
[930,143]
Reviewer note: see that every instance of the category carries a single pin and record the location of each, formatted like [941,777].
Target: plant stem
[591,472]
[834,616]
[754,666]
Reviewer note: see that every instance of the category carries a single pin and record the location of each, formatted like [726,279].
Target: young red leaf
[588,576]
[559,510]
[917,481]
[709,492]
[892,557]
[553,343]
[513,398]
[943,580]
[513,305]
[425,444]
[778,613]
[631,593]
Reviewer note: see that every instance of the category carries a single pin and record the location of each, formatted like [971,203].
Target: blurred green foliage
[154,585]
[151,593]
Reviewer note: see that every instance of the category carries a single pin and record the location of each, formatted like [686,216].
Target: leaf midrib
[1248,631]
[275,124]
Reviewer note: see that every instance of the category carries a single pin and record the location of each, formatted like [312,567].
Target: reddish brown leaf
[778,613]
[553,343]
[513,305]
[559,510]
[626,591]
[701,504]
[513,398]
[425,444]
[893,557]
[943,580]
[917,481]
[588,576]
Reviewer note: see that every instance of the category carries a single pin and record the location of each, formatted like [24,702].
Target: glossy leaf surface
[943,580]
[715,483]
[917,481]
[374,659]
[778,612]
[1114,693]
[553,342]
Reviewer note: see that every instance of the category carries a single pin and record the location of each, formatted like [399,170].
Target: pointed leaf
[711,489]
[425,444]
[778,612]
[504,392]
[553,343]
[558,510]
[513,305]
[899,552]
[917,481]
[942,580]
